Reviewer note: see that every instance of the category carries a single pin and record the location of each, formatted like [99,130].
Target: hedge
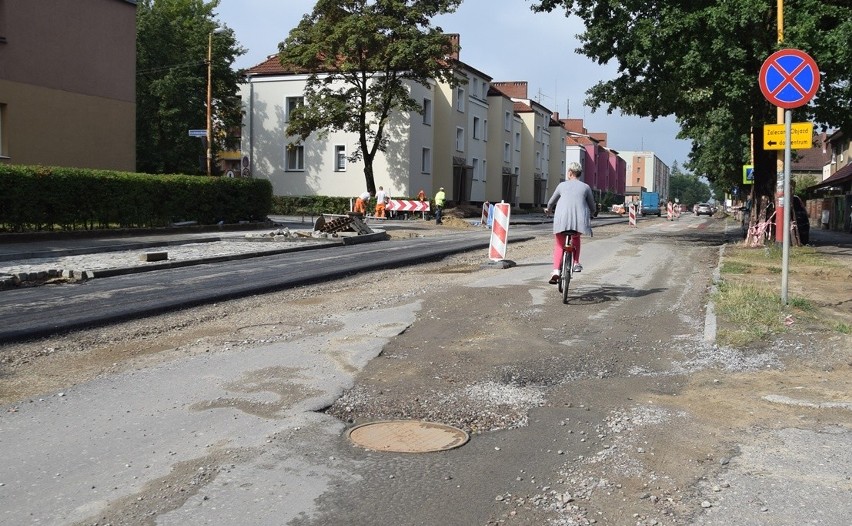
[36,198]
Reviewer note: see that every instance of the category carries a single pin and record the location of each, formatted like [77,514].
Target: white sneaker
[578,267]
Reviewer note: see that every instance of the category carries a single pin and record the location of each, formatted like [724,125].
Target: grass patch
[748,303]
[769,258]
[843,328]
[753,313]
[735,267]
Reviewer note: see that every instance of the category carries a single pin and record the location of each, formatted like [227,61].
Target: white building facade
[478,143]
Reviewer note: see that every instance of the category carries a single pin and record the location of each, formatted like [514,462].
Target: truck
[651,204]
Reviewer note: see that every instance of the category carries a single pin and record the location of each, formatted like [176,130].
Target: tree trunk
[368,175]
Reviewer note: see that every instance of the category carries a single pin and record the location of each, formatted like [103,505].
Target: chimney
[455,41]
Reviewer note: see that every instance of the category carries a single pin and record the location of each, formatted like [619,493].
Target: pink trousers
[559,245]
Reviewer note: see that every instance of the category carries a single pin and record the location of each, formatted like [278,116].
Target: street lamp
[210,98]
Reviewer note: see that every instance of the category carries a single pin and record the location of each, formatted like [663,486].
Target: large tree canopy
[360,55]
[172,38]
[699,60]
[688,189]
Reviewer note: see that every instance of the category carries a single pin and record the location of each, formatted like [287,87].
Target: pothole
[407,436]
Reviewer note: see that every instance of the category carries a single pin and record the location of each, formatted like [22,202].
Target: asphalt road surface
[613,409]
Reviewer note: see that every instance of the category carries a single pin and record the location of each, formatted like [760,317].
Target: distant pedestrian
[440,199]
[421,195]
[381,201]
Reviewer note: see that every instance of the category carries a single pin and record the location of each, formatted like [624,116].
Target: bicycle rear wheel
[565,277]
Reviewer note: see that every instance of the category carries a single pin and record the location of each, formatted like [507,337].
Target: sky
[501,38]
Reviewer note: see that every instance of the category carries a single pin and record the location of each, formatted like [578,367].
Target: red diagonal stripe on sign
[789,78]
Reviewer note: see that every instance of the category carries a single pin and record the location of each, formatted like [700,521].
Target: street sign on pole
[748,174]
[801,136]
[198,133]
[789,78]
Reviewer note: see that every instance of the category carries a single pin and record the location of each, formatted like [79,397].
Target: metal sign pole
[788,206]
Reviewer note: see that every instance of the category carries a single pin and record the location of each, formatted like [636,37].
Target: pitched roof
[812,159]
[844,175]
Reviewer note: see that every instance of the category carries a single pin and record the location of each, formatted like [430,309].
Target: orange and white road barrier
[484,220]
[632,216]
[669,212]
[499,231]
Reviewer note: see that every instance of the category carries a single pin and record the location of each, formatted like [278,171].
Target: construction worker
[361,203]
[381,201]
[440,198]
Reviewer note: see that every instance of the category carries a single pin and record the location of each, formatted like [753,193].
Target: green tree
[361,56]
[172,38]
[699,60]
[688,189]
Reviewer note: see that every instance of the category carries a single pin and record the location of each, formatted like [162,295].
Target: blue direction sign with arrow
[789,78]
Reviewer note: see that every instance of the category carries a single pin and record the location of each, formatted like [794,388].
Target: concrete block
[154,256]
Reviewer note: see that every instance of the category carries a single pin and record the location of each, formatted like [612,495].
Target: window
[3,153]
[517,141]
[339,158]
[484,170]
[295,158]
[538,160]
[475,163]
[426,161]
[507,152]
[507,121]
[460,99]
[484,90]
[427,112]
[538,133]
[292,104]
[476,126]
[460,139]
[485,130]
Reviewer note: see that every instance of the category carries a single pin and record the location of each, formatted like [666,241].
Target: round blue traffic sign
[789,78]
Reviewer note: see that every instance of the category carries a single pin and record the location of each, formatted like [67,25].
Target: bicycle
[567,268]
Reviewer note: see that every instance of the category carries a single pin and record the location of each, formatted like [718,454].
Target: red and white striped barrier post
[484,220]
[499,231]
[632,214]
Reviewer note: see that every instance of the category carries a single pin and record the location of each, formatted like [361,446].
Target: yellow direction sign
[801,136]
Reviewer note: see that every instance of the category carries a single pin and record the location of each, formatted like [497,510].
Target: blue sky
[501,38]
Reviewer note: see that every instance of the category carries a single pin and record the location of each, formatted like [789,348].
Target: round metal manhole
[407,436]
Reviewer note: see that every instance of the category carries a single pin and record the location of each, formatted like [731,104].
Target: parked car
[703,209]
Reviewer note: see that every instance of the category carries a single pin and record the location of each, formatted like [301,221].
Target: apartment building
[541,140]
[477,141]
[321,165]
[461,135]
[603,169]
[503,149]
[68,83]
[647,170]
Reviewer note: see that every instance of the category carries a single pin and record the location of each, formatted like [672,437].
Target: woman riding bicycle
[575,206]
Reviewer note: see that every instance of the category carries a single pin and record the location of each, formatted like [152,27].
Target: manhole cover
[407,436]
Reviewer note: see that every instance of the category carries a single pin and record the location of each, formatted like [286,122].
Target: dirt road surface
[617,408]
